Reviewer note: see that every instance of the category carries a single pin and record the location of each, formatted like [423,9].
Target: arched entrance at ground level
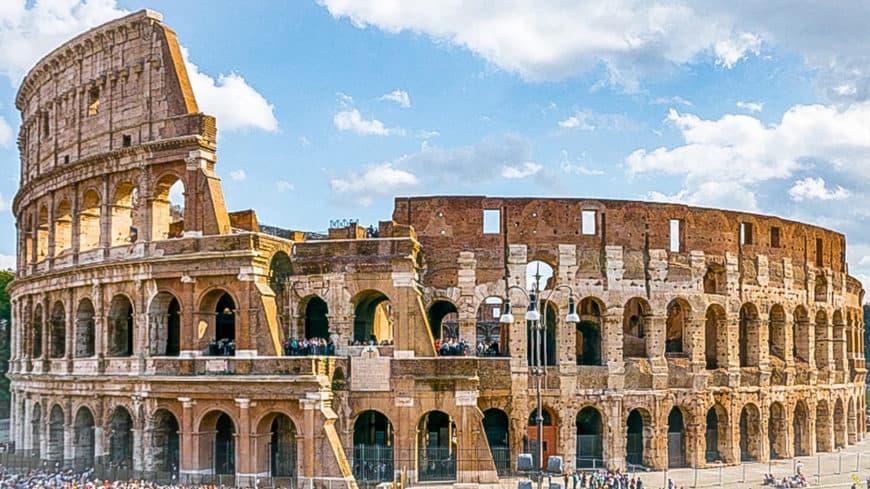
[121,439]
[165,316]
[372,447]
[750,433]
[372,320]
[217,454]
[824,427]
[436,447]
[84,439]
[801,429]
[165,447]
[549,435]
[716,433]
[84,332]
[120,327]
[495,425]
[443,320]
[588,334]
[638,436]
[676,439]
[36,430]
[589,446]
[777,434]
[55,435]
[276,448]
[839,424]
[316,318]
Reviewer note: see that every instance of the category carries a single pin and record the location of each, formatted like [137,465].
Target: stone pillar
[246,469]
[68,434]
[189,464]
[307,469]
[612,347]
[656,333]
[190,318]
[614,434]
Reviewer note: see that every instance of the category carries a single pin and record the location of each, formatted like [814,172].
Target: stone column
[307,468]
[614,434]
[189,463]
[656,331]
[246,472]
[612,347]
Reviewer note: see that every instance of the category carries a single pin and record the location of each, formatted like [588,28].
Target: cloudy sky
[329,108]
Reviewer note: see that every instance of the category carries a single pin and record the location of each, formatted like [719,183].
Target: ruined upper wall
[446,226]
[119,85]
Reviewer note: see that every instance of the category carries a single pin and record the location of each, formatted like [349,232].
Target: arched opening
[436,447]
[587,338]
[85,334]
[777,432]
[55,434]
[822,341]
[715,338]
[89,221]
[123,214]
[711,454]
[167,208]
[496,427]
[494,338]
[750,433]
[25,231]
[443,320]
[42,226]
[634,328]
[280,271]
[218,310]
[165,316]
[549,436]
[539,276]
[544,336]
[676,323]
[801,429]
[372,322]
[165,446]
[120,327]
[277,445]
[589,444]
[801,335]
[839,330]
[121,439]
[84,439]
[36,430]
[776,333]
[715,280]
[57,348]
[62,227]
[639,435]
[373,447]
[316,319]
[748,336]
[37,325]
[824,427]
[676,439]
[821,288]
[839,424]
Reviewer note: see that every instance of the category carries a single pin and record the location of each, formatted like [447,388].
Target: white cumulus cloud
[238,175]
[524,170]
[729,51]
[399,96]
[750,106]
[579,120]
[383,179]
[815,189]
[5,133]
[352,120]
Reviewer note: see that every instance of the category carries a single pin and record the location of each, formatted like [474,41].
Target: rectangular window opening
[93,101]
[675,235]
[745,233]
[491,221]
[819,249]
[45,125]
[774,237]
[587,224]
[126,140]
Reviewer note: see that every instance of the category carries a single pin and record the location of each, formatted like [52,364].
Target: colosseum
[174,339]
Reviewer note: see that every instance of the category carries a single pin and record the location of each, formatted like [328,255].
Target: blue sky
[328,109]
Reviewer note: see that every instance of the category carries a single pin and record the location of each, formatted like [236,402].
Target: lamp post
[538,359]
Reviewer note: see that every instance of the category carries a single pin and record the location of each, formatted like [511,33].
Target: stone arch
[587,338]
[280,270]
[820,288]
[822,340]
[120,334]
[165,442]
[37,324]
[488,327]
[676,438]
[634,327]
[36,430]
[42,226]
[164,314]
[839,424]
[84,439]
[748,336]
[373,447]
[276,444]
[443,319]
[89,220]
[715,279]
[676,325]
[824,427]
[716,434]
[120,432]
[550,432]
[589,428]
[62,227]
[801,335]
[801,421]
[57,336]
[123,213]
[316,318]
[55,434]
[25,230]
[217,308]
[715,337]
[777,431]
[436,447]
[750,433]
[372,320]
[85,334]
[496,426]
[167,207]
[776,333]
[549,318]
[639,437]
[217,453]
[540,275]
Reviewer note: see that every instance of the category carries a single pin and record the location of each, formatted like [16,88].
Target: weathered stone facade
[705,335]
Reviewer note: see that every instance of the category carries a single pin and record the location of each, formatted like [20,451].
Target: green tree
[6,276]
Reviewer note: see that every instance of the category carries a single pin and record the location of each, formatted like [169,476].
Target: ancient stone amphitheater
[157,339]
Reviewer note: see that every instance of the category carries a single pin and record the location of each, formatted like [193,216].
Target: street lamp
[534,317]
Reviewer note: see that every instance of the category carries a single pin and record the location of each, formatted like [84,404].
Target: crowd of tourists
[451,347]
[371,342]
[297,347]
[602,479]
[69,479]
[796,480]
[222,348]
